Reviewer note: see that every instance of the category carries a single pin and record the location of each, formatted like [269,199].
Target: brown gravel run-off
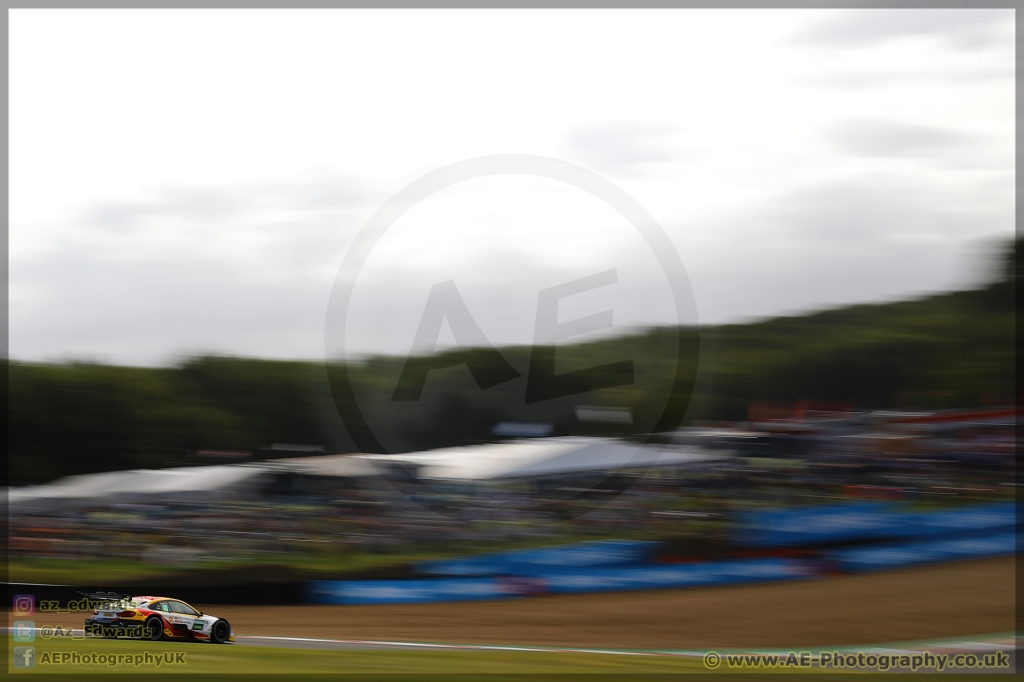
[933,602]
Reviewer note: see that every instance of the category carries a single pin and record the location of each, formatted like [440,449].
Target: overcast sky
[186,182]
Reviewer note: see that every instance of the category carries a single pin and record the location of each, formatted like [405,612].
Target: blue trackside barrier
[577,580]
[807,525]
[537,561]
[404,591]
[865,521]
[680,575]
[602,566]
[924,552]
[969,520]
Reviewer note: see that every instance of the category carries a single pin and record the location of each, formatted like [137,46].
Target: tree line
[943,351]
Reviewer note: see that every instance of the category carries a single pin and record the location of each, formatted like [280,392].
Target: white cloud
[190,180]
[958,28]
[626,147]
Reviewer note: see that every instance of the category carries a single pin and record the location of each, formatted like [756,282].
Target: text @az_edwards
[24,631]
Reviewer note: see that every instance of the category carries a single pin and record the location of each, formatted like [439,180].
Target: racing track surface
[926,603]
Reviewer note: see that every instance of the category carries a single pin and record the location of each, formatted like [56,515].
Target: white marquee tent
[136,485]
[511,460]
[534,458]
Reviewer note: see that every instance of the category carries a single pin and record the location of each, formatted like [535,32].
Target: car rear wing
[97,600]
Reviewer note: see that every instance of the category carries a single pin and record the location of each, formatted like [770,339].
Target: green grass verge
[248,660]
[78,571]
[329,563]
[66,571]
[206,661]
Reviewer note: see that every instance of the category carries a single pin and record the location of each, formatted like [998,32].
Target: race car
[155,618]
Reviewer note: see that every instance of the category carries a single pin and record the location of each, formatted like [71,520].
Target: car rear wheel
[154,628]
[220,631]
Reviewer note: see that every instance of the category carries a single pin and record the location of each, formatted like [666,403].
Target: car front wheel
[220,631]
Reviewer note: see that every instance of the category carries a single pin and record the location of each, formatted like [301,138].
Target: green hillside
[944,351]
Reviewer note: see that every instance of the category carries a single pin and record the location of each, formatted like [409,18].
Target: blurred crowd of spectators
[761,466]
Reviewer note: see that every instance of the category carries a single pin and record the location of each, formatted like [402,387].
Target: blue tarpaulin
[866,521]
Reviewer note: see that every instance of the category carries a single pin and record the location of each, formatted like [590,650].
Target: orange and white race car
[156,618]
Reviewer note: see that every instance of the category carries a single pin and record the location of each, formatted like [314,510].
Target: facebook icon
[24,656]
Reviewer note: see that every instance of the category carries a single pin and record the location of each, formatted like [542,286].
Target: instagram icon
[24,604]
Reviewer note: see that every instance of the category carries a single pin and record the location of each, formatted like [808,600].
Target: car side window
[163,606]
[181,607]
